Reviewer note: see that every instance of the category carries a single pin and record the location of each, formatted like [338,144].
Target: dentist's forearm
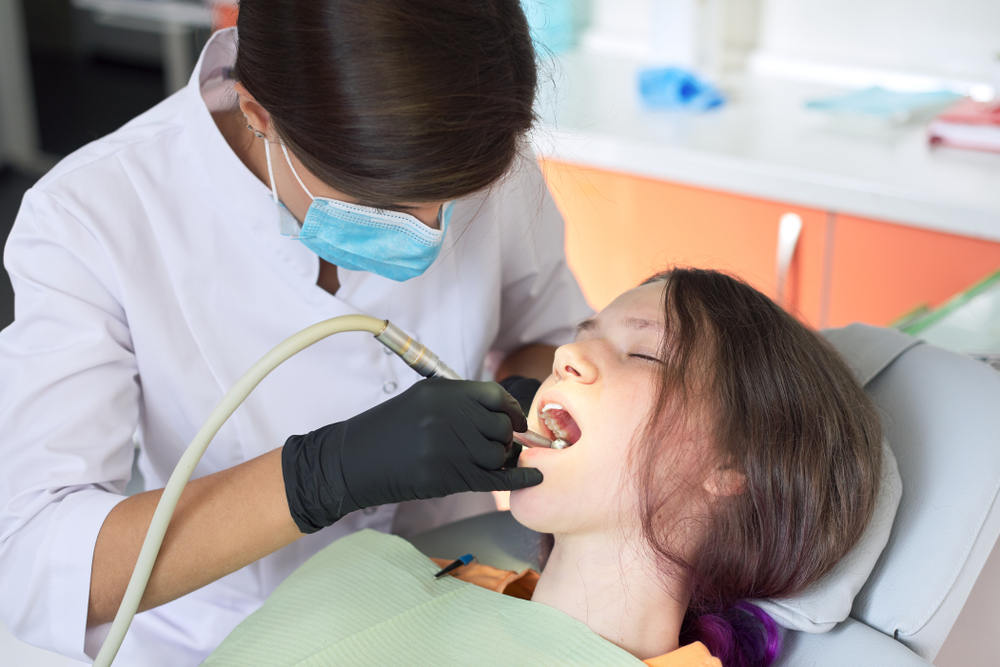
[223,522]
[530,361]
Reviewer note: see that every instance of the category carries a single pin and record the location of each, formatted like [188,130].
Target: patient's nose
[571,363]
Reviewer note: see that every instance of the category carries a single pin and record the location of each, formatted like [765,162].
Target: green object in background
[372,599]
[906,320]
[968,323]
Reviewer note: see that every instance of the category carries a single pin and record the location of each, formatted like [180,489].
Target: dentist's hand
[521,388]
[437,438]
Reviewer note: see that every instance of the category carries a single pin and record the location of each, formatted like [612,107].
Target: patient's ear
[725,481]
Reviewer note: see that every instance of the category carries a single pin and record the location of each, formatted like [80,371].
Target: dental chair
[894,599]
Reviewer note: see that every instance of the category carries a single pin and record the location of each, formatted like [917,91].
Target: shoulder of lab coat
[542,302]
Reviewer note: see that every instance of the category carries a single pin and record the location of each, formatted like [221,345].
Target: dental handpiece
[422,360]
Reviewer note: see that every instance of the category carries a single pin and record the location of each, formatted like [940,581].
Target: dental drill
[415,354]
[425,362]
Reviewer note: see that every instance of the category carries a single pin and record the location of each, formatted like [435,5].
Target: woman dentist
[331,157]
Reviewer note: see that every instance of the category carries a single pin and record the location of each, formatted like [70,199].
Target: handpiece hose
[412,352]
[192,455]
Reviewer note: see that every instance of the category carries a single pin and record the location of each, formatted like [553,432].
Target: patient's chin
[531,508]
[542,511]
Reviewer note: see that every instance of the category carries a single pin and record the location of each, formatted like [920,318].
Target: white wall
[693,33]
[951,40]
[956,39]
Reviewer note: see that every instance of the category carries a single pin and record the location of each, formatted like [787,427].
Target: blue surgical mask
[391,244]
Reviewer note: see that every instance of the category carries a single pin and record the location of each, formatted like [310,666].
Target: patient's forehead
[639,304]
[637,310]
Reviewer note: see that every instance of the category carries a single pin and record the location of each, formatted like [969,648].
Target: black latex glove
[437,438]
[521,388]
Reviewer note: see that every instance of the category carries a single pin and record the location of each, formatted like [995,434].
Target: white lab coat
[149,274]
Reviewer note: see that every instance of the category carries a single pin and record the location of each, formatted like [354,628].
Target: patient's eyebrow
[639,323]
[630,323]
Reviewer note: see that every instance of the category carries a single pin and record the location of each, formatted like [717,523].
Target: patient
[721,452]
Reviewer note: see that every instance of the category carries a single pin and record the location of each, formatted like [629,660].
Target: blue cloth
[677,88]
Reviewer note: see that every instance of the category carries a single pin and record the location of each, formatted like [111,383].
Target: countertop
[764,143]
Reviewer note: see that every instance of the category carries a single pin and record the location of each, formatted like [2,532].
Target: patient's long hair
[784,410]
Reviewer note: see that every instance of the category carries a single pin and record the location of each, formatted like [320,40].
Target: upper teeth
[554,425]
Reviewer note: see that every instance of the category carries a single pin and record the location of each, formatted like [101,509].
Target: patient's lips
[558,420]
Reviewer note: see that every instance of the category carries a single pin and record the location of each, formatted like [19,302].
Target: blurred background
[698,124]
[841,155]
[74,70]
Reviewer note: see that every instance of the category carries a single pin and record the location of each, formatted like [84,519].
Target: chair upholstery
[941,414]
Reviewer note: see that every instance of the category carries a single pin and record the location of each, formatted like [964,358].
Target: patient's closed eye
[645,357]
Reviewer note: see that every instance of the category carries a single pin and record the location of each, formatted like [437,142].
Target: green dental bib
[372,599]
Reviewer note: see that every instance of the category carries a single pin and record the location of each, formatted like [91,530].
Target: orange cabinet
[622,228]
[880,271]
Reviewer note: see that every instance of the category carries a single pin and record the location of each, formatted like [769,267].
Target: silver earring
[256,133]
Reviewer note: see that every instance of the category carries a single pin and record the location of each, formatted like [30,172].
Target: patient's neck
[615,589]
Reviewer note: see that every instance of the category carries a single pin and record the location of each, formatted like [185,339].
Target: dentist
[330,157]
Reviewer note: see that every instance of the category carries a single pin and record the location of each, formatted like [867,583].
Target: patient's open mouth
[560,423]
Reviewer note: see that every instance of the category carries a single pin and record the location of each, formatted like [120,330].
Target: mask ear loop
[270,170]
[288,161]
[444,214]
[289,225]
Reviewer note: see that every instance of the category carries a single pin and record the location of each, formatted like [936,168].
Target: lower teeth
[559,443]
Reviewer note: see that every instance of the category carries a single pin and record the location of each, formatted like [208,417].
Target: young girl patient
[720,452]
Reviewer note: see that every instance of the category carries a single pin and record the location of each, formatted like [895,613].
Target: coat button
[389,387]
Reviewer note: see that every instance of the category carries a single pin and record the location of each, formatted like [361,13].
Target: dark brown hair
[776,403]
[397,100]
